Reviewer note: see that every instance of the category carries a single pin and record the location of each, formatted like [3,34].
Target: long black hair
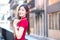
[27,15]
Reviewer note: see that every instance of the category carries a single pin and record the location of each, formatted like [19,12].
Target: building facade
[53,13]
[45,19]
[36,17]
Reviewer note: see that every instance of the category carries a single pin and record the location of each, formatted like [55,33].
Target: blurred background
[44,19]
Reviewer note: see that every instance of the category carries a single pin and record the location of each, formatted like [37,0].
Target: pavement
[38,38]
[30,38]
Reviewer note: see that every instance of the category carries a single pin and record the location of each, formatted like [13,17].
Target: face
[22,12]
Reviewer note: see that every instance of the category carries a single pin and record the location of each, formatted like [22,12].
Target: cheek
[20,13]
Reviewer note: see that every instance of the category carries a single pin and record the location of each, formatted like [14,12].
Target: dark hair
[27,15]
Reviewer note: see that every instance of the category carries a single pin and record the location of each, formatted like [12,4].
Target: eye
[19,9]
[22,9]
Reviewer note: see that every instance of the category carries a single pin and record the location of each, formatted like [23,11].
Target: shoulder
[24,21]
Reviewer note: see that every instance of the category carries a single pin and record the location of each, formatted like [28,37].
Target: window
[50,2]
[59,21]
[36,24]
[32,23]
[54,21]
[49,20]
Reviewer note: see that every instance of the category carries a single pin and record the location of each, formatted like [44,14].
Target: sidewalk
[30,38]
[40,38]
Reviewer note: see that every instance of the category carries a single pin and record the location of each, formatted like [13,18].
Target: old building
[53,13]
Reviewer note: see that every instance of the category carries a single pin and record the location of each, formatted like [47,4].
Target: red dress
[23,23]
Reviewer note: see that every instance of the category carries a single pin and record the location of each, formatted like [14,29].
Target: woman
[21,24]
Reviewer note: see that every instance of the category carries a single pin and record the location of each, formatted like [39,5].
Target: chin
[21,15]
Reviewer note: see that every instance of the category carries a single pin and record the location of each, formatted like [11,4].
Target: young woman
[21,25]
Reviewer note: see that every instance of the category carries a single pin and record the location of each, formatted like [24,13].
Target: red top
[23,23]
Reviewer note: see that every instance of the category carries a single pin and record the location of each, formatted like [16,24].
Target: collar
[23,18]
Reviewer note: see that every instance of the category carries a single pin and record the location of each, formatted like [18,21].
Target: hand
[15,23]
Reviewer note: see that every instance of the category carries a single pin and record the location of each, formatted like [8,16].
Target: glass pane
[53,21]
[59,21]
[32,24]
[56,21]
[50,2]
[49,21]
[36,25]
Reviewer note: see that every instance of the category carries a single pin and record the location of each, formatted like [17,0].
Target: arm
[19,32]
